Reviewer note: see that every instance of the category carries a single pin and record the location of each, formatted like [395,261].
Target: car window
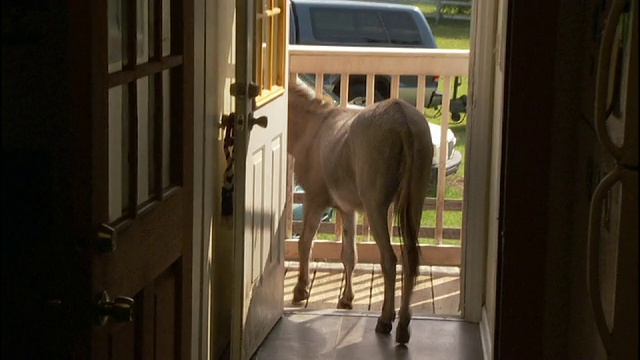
[401,27]
[347,25]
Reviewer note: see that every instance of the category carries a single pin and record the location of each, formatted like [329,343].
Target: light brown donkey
[362,160]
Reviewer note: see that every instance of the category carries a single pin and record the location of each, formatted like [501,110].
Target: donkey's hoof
[345,304]
[403,334]
[300,294]
[383,327]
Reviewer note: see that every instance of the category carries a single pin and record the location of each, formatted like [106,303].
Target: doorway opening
[451,283]
[438,287]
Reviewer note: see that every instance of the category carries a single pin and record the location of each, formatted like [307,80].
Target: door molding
[219,74]
[203,185]
[479,154]
[482,178]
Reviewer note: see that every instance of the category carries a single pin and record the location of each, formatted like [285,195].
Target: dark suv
[355,23]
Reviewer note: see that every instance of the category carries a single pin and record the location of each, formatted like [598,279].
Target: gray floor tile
[341,335]
[301,337]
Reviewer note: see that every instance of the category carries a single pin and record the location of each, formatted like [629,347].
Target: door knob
[120,309]
[228,121]
[262,121]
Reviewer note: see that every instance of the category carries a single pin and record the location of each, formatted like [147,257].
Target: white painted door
[260,176]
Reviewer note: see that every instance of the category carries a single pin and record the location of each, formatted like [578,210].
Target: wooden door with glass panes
[260,166]
[141,95]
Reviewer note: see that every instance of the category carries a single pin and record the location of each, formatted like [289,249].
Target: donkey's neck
[303,133]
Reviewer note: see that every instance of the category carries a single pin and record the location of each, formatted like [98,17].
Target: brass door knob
[262,121]
[120,309]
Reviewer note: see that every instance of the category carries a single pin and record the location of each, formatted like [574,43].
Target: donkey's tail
[417,155]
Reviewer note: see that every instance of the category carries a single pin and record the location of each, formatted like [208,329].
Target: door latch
[106,239]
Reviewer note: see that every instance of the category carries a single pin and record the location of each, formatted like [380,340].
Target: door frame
[211,100]
[482,182]
[217,71]
[203,185]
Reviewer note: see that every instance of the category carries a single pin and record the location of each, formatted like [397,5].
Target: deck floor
[437,290]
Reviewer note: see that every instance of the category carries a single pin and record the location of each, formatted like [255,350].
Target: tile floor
[350,335]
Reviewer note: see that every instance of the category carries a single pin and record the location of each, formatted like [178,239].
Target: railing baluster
[319,85]
[442,160]
[288,207]
[366,229]
[395,86]
[344,89]
[390,220]
[420,93]
[344,95]
[371,78]
[338,231]
[370,97]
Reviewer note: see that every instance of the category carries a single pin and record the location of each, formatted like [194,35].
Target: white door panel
[259,200]
[264,235]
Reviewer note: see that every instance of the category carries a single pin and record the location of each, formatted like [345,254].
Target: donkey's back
[363,153]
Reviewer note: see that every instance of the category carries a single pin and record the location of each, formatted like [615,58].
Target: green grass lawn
[451,34]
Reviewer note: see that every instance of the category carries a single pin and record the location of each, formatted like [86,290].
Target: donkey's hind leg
[410,266]
[403,333]
[380,231]
[349,258]
[310,224]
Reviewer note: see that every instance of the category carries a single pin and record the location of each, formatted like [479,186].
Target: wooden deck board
[290,280]
[377,288]
[446,290]
[326,286]
[422,298]
[437,290]
[362,276]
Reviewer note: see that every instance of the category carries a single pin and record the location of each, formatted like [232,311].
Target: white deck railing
[446,64]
